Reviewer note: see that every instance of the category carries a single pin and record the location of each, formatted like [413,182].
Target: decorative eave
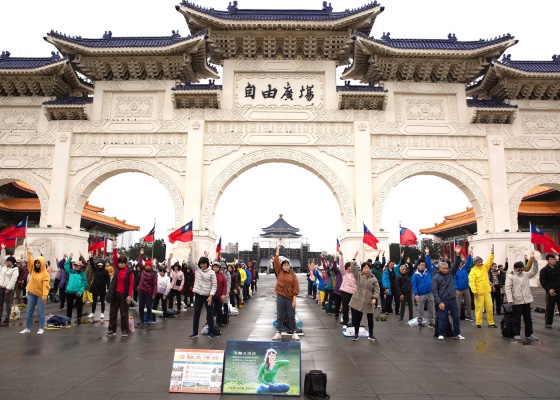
[137,58]
[520,80]
[67,108]
[418,60]
[492,111]
[43,77]
[197,96]
[200,18]
[284,235]
[361,97]
[280,226]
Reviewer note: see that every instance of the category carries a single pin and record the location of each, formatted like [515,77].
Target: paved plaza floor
[80,363]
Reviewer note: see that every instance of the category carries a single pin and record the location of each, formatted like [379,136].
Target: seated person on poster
[268,373]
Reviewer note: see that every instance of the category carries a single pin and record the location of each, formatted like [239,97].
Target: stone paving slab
[405,363]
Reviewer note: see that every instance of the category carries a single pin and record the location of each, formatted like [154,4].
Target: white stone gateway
[417,107]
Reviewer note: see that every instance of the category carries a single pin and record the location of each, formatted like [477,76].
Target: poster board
[245,370]
[197,371]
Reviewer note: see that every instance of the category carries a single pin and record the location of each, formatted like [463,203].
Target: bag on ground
[506,325]
[315,384]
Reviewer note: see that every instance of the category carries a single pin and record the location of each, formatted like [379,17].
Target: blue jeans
[273,388]
[451,306]
[33,301]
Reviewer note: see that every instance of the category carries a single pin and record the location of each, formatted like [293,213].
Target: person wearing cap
[38,288]
[147,288]
[519,297]
[287,289]
[8,278]
[177,282]
[99,286]
[77,283]
[549,278]
[205,286]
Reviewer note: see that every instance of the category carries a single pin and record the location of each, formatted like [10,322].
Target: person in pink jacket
[347,288]
[177,283]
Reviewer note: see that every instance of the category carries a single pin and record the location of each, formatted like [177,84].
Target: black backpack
[506,325]
[315,384]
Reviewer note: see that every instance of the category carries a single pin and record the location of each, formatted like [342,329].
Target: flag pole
[153,243]
[25,238]
[400,246]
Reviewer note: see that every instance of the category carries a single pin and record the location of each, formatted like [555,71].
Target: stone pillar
[193,175]
[363,175]
[498,184]
[352,242]
[60,177]
[203,240]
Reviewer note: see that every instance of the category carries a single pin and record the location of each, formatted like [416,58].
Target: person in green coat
[268,373]
[77,283]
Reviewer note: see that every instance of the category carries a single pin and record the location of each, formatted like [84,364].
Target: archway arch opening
[23,195]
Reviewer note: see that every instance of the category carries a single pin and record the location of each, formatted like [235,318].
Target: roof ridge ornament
[452,38]
[506,58]
[327,8]
[175,34]
[232,8]
[107,35]
[5,55]
[556,58]
[55,55]
[386,36]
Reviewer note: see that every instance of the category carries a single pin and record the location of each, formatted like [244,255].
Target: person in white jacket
[8,278]
[205,285]
[519,297]
[163,289]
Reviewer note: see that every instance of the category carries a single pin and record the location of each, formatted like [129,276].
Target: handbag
[178,282]
[315,384]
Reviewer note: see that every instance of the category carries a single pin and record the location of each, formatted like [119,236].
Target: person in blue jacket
[389,276]
[77,283]
[247,282]
[319,282]
[462,286]
[422,289]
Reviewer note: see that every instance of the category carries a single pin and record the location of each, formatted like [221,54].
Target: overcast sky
[246,207]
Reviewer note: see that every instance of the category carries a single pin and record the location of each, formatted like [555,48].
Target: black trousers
[345,297]
[6,299]
[218,311]
[357,319]
[174,294]
[337,301]
[327,299]
[388,306]
[159,297]
[407,300]
[314,292]
[246,292]
[254,286]
[62,295]
[144,300]
[118,305]
[497,299]
[199,302]
[551,301]
[525,311]
[94,302]
[71,298]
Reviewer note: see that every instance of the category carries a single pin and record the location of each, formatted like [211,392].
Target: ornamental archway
[7,176]
[466,184]
[81,192]
[289,156]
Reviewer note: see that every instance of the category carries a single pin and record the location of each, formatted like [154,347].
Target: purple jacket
[62,273]
[338,275]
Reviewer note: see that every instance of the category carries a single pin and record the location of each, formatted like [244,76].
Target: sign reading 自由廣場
[197,371]
[271,368]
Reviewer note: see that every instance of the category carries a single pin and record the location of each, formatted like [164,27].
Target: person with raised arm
[287,289]
[38,288]
[519,297]
[8,278]
[364,298]
[77,283]
[422,289]
[377,271]
[461,281]
[480,286]
[347,289]
[119,294]
[205,286]
[336,290]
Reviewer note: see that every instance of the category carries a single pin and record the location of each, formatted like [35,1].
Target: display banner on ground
[197,371]
[272,368]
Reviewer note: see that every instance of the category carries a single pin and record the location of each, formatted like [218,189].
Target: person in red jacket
[147,288]
[119,293]
[220,294]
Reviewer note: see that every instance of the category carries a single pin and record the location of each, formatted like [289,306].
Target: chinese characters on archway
[305,92]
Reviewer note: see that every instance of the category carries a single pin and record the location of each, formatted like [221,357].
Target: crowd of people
[432,291]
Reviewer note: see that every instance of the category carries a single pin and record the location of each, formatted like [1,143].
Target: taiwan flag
[219,249]
[8,242]
[369,239]
[337,245]
[539,237]
[149,238]
[183,234]
[14,232]
[455,244]
[408,238]
[98,244]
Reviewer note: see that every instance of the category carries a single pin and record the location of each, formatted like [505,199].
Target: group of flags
[407,238]
[9,235]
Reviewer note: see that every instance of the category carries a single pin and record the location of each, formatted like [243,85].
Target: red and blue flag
[98,244]
[149,238]
[219,249]
[183,234]
[337,245]
[408,238]
[369,239]
[15,232]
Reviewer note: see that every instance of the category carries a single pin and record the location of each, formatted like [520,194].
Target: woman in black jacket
[99,286]
[234,297]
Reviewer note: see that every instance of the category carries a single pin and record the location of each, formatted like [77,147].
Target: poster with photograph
[265,368]
[197,371]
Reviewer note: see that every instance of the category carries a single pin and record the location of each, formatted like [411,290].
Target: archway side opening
[81,192]
[519,196]
[289,156]
[8,176]
[474,193]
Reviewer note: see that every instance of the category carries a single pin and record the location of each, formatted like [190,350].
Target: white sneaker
[459,337]
[25,331]
[344,326]
[440,337]
[295,336]
[278,336]
[40,332]
[102,316]
[533,337]
[517,337]
[90,316]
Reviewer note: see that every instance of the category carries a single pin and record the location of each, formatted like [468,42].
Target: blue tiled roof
[233,13]
[280,226]
[490,103]
[108,41]
[533,66]
[360,88]
[206,86]
[451,43]
[70,100]
[8,62]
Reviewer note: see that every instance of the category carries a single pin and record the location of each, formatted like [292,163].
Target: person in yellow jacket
[480,286]
[38,288]
[242,280]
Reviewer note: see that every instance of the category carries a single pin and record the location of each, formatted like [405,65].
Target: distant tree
[228,257]
[414,252]
[134,251]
